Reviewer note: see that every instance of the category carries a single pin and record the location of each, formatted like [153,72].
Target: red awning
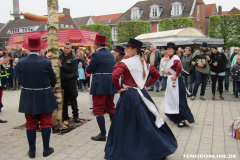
[75,36]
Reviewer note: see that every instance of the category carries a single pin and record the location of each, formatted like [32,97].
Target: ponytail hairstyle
[142,61]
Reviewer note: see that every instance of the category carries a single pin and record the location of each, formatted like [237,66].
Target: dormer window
[155,11]
[177,9]
[136,13]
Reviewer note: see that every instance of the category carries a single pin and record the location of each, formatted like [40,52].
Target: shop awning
[181,37]
[185,37]
[78,37]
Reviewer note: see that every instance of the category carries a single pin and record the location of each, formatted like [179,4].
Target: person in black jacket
[234,54]
[154,58]
[217,70]
[69,73]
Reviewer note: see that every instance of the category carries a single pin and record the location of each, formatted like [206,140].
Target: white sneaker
[202,98]
[193,97]
[232,93]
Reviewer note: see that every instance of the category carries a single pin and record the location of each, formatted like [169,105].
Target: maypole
[52,29]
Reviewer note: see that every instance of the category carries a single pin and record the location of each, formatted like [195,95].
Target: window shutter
[158,11]
[132,15]
[138,14]
[150,14]
[180,9]
[172,12]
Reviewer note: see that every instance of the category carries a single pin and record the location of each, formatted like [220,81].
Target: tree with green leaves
[100,29]
[175,23]
[225,27]
[131,29]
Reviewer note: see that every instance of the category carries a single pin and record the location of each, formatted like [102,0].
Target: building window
[0,44]
[177,9]
[114,33]
[135,13]
[71,26]
[154,12]
[66,25]
[198,10]
[62,26]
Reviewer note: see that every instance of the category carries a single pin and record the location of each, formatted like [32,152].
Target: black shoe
[157,90]
[150,90]
[31,154]
[189,95]
[47,153]
[162,158]
[2,121]
[77,120]
[162,89]
[99,138]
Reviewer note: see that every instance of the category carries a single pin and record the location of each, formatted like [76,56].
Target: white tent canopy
[181,37]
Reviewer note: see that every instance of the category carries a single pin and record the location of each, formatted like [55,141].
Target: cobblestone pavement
[208,135]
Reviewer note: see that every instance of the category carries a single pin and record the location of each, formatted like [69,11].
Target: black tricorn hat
[120,49]
[135,43]
[171,45]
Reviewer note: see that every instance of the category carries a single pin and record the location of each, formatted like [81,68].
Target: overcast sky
[81,8]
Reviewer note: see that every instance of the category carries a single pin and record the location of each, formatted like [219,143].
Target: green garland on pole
[175,23]
[131,29]
[225,27]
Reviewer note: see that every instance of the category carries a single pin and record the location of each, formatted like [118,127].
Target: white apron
[117,95]
[170,104]
[134,65]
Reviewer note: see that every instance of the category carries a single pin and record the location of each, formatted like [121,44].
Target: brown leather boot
[221,96]
[213,97]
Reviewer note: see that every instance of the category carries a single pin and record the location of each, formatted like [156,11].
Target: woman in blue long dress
[175,103]
[137,130]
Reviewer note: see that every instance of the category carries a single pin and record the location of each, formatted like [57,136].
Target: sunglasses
[67,43]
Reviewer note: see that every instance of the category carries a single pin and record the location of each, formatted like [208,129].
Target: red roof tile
[234,11]
[209,9]
[106,17]
[226,12]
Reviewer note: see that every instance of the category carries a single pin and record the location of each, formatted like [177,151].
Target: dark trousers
[220,83]
[227,74]
[4,82]
[80,82]
[187,79]
[88,81]
[237,87]
[200,78]
[70,94]
[9,81]
[15,83]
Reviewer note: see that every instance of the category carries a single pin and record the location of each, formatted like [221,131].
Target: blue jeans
[200,78]
[237,86]
[226,83]
[156,83]
[164,83]
[80,82]
[187,79]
